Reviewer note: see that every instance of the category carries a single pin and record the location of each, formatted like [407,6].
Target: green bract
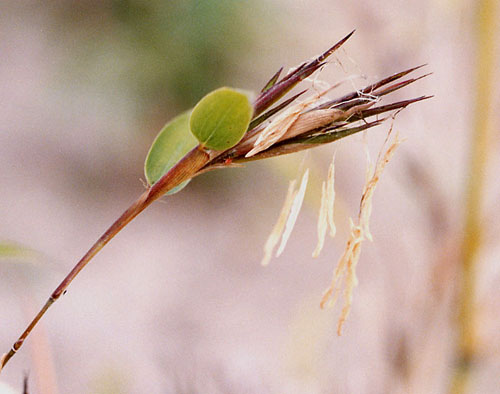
[172,143]
[221,118]
[218,121]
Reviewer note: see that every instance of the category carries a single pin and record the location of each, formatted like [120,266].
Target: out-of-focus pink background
[178,302]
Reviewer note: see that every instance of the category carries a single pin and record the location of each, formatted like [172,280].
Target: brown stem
[183,170]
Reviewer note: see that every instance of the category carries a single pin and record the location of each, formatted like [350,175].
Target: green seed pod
[172,143]
[221,118]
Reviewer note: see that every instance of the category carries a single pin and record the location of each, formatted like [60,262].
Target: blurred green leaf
[11,250]
[184,48]
[221,118]
[171,145]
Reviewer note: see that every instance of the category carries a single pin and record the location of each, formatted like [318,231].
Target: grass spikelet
[346,267]
[282,124]
[276,129]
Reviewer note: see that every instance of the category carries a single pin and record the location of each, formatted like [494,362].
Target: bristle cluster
[293,125]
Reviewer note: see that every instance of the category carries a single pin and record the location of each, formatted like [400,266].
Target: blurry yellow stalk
[466,347]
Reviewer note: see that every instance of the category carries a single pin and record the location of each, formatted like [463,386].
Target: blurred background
[178,302]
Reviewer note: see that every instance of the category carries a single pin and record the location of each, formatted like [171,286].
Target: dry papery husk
[345,272]
[301,118]
[326,210]
[286,220]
